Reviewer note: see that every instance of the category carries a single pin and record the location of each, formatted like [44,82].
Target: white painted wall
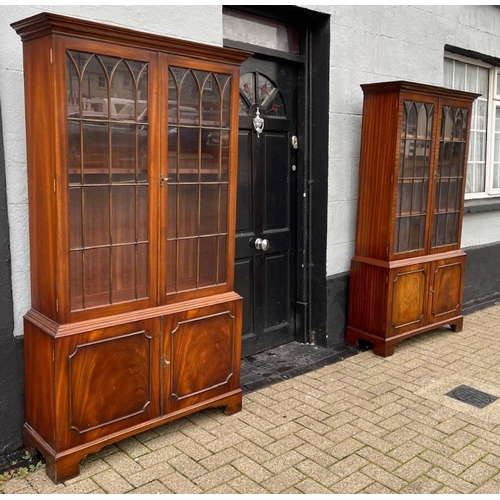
[368,44]
[382,43]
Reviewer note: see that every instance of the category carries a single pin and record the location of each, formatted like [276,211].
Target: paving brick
[284,481]
[216,478]
[221,458]
[377,489]
[158,456]
[375,442]
[122,462]
[111,482]
[363,425]
[438,460]
[348,465]
[400,436]
[479,473]
[459,439]
[451,480]
[285,430]
[284,461]
[320,474]
[133,447]
[310,487]
[383,477]
[422,485]
[377,458]
[345,448]
[156,471]
[187,466]
[177,483]
[284,445]
[491,487]
[434,445]
[354,483]
[243,484]
[313,424]
[412,469]
[451,425]
[154,487]
[468,455]
[406,451]
[251,469]
[316,455]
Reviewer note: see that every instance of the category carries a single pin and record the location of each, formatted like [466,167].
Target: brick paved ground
[362,425]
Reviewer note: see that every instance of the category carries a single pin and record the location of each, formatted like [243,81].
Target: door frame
[313,63]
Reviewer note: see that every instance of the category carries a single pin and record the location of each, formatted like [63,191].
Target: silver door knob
[261,244]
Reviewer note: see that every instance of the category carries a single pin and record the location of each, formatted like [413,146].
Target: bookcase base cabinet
[391,301]
[97,385]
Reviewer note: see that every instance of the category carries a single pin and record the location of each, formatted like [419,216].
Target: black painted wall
[11,349]
[482,276]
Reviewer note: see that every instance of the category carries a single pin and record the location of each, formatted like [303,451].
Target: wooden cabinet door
[447,280]
[108,180]
[201,355]
[408,290]
[107,381]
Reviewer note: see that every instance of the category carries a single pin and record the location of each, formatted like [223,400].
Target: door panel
[265,277]
[447,288]
[408,298]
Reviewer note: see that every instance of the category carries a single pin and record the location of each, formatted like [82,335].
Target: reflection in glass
[198,145]
[107,129]
[413,177]
[449,178]
[496,149]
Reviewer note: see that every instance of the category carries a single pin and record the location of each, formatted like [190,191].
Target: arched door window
[257,91]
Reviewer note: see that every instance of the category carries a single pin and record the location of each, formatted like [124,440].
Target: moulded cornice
[46,24]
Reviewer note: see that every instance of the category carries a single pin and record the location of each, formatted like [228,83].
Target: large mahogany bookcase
[132,152]
[407,273]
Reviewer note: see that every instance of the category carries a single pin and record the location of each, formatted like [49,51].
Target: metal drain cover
[471,396]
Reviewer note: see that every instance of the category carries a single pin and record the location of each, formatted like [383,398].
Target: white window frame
[493,101]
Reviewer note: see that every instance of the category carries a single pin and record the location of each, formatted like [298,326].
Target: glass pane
[76,282]
[124,211]
[96,276]
[209,215]
[222,265]
[187,264]
[187,224]
[496,153]
[123,260]
[75,223]
[189,109]
[171,266]
[208,261]
[260,31]
[96,221]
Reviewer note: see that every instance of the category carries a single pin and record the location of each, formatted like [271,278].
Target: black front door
[265,271]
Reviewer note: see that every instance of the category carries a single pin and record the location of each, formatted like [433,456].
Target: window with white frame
[483,168]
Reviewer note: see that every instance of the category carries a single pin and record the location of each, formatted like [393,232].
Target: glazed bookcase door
[413,177]
[449,186]
[110,182]
[198,186]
